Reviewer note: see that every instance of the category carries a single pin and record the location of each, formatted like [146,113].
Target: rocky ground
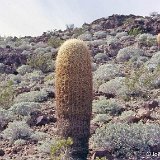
[126,83]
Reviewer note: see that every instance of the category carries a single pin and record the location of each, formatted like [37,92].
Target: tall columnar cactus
[73,82]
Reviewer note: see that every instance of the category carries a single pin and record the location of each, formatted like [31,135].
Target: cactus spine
[73,82]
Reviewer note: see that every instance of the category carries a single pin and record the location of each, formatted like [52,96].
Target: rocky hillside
[126,84]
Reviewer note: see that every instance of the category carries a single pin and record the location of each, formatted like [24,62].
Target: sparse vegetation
[40,119]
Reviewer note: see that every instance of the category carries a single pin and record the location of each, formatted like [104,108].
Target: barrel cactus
[73,83]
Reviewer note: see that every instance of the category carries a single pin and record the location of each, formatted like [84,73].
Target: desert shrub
[104,106]
[40,50]
[126,114]
[125,140]
[140,79]
[5,117]
[49,79]
[146,39]
[100,57]
[19,142]
[100,34]
[127,53]
[85,37]
[121,34]
[154,14]
[126,38]
[132,79]
[97,42]
[35,76]
[104,73]
[69,27]
[78,32]
[16,79]
[96,27]
[24,69]
[41,62]
[59,149]
[33,96]
[128,21]
[25,46]
[135,31]
[101,118]
[154,62]
[55,42]
[39,45]
[111,40]
[114,87]
[150,80]
[6,95]
[45,146]
[56,147]
[24,108]
[39,136]
[17,130]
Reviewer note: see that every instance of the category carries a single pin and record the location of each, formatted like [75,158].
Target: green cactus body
[73,82]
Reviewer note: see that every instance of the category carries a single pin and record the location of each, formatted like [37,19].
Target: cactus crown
[73,78]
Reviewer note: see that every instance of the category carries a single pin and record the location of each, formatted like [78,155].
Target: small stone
[143,113]
[152,104]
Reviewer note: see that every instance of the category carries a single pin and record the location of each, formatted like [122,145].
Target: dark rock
[7,46]
[42,120]
[33,118]
[52,119]
[155,148]
[51,94]
[2,153]
[102,153]
[151,104]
